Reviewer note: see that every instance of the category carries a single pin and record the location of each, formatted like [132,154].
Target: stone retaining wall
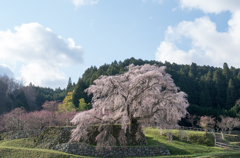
[20,134]
[86,150]
[56,138]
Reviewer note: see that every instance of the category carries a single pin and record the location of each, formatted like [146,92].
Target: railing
[214,137]
[181,128]
[188,128]
[222,145]
[226,146]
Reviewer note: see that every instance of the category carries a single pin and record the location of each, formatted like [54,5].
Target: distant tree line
[211,90]
[13,94]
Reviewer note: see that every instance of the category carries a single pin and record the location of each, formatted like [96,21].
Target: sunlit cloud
[41,52]
[208,46]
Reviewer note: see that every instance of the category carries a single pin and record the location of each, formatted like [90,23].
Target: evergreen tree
[193,70]
[209,76]
[205,98]
[79,93]
[226,72]
[220,88]
[209,86]
[69,86]
[94,77]
[22,101]
[238,84]
[206,86]
[231,95]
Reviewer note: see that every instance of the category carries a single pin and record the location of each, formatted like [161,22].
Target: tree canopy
[142,93]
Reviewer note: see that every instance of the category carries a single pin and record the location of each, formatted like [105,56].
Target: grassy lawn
[24,148]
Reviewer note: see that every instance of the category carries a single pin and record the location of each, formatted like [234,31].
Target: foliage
[48,94]
[207,123]
[228,123]
[206,86]
[211,91]
[191,119]
[19,119]
[51,106]
[79,93]
[182,134]
[142,93]
[83,106]
[67,104]
[22,101]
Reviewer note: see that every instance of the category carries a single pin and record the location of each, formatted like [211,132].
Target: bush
[194,136]
[207,142]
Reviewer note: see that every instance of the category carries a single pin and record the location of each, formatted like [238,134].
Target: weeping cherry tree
[142,93]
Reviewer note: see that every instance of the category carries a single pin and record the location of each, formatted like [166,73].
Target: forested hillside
[211,90]
[13,95]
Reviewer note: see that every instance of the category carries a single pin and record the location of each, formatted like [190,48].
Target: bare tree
[14,120]
[206,122]
[30,93]
[191,119]
[142,93]
[7,86]
[11,84]
[228,123]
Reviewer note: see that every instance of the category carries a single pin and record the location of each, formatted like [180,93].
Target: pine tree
[22,101]
[220,88]
[226,72]
[231,95]
[69,86]
[94,77]
[209,85]
[193,70]
[79,93]
[205,98]
[238,84]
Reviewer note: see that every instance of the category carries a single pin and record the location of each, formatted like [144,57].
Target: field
[24,148]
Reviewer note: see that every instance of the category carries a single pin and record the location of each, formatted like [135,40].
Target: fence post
[222,135]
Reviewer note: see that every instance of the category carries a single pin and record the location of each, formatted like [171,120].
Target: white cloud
[212,6]
[44,74]
[34,42]
[6,70]
[33,45]
[84,2]
[208,46]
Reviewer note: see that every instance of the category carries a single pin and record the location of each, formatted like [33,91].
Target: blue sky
[46,42]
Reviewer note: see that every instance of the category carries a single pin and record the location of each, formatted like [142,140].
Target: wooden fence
[188,128]
[226,146]
[222,145]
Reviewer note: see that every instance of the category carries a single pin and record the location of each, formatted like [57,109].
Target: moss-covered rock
[19,134]
[52,136]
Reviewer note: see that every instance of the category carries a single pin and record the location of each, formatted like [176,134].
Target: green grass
[17,152]
[22,143]
[228,138]
[177,147]
[24,148]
